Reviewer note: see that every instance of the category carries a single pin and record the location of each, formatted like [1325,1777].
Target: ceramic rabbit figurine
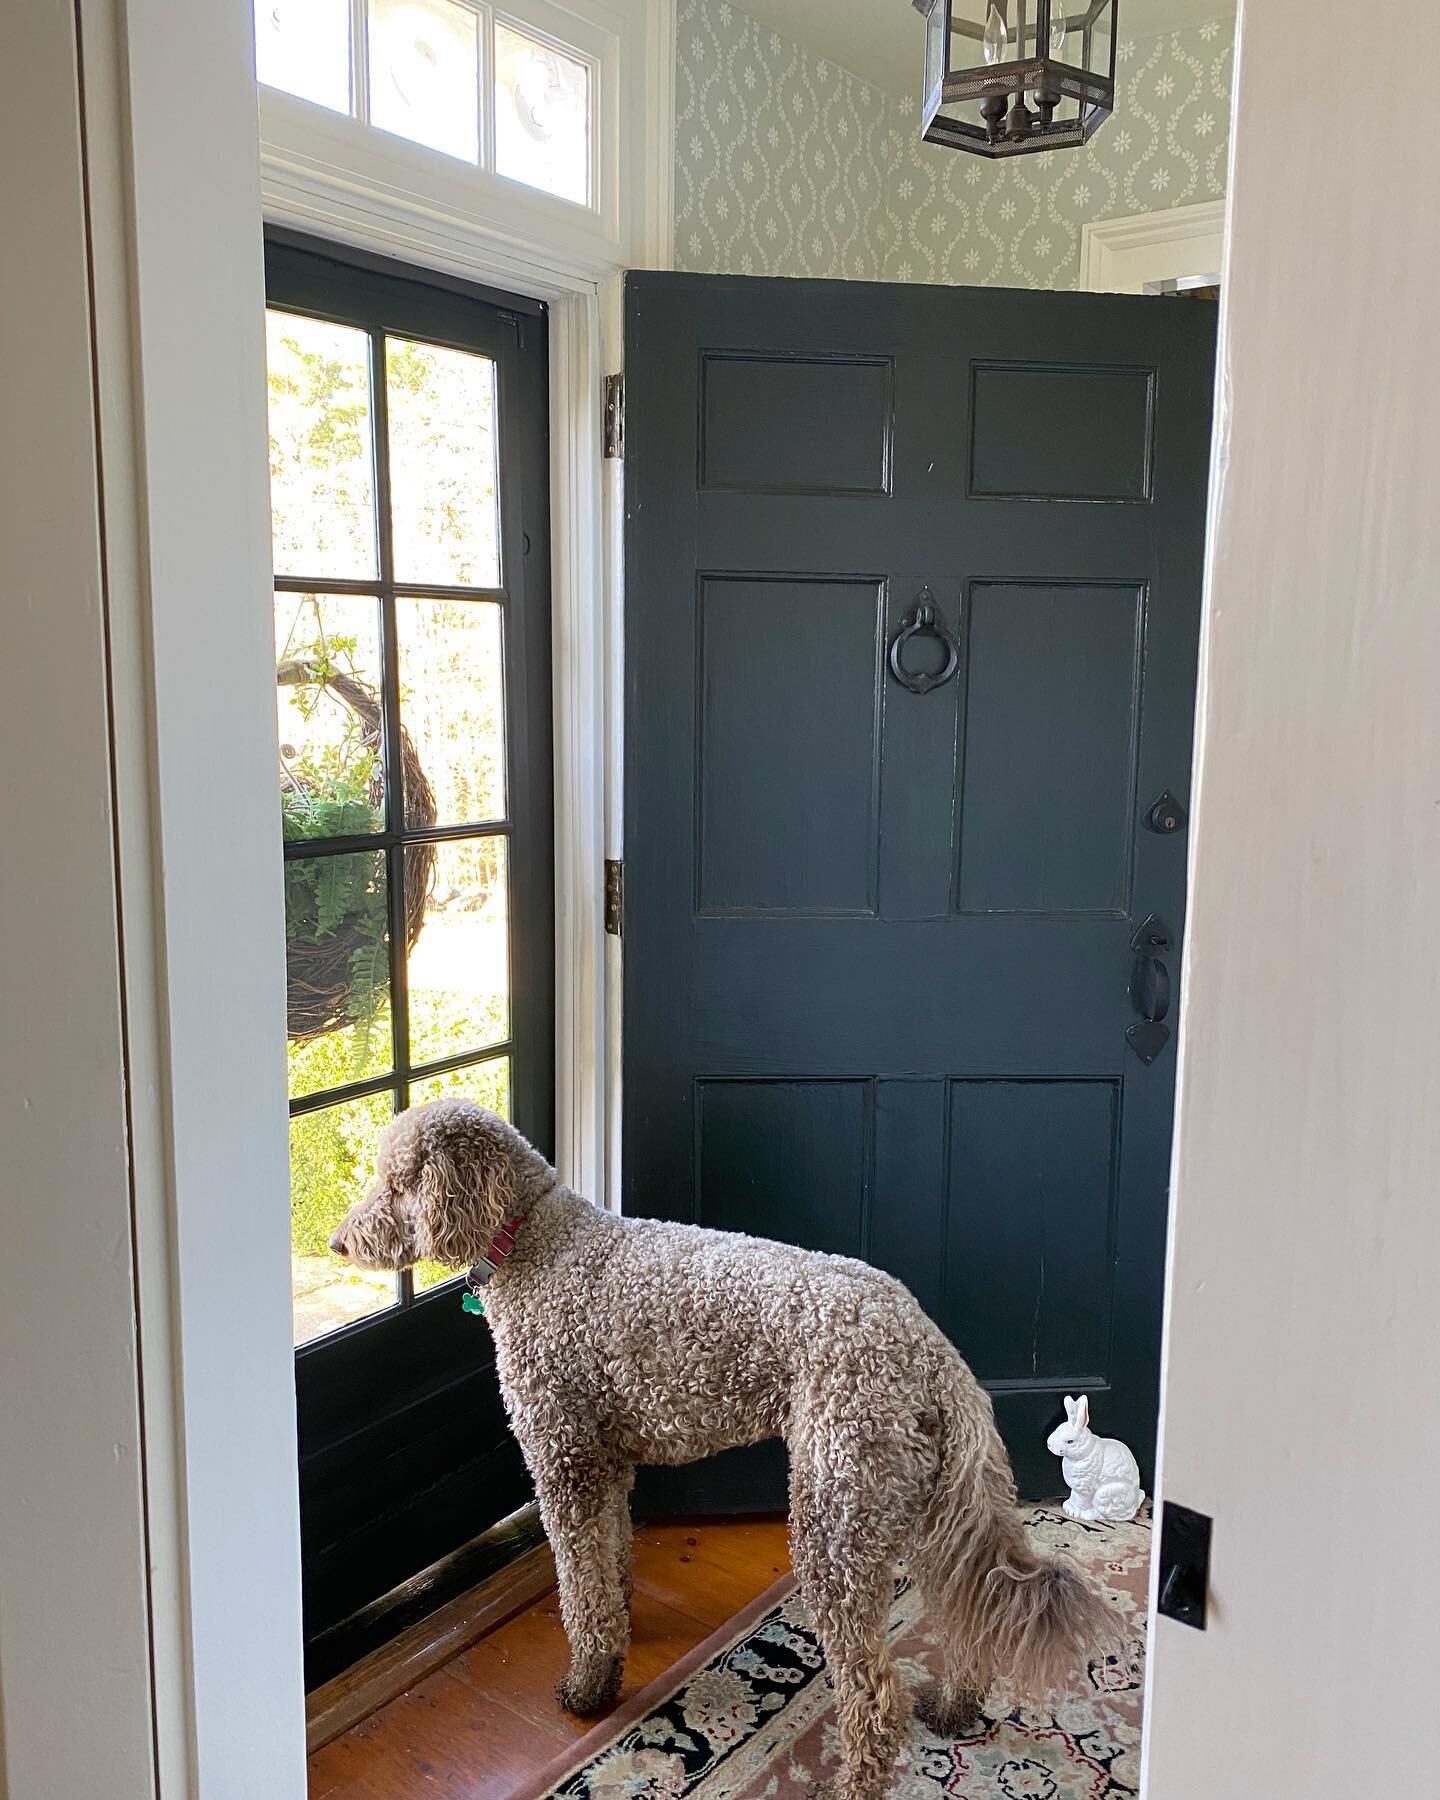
[1102,1475]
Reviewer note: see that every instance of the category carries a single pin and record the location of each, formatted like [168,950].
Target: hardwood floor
[487,1720]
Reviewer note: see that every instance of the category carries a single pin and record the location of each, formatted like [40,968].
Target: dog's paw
[586,1691]
[955,1717]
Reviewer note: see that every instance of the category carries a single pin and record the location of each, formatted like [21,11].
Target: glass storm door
[412,672]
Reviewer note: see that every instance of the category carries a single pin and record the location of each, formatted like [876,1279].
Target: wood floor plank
[442,1738]
[520,1664]
[477,1728]
[710,1568]
[426,1646]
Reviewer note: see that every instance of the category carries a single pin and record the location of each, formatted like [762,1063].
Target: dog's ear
[464,1187]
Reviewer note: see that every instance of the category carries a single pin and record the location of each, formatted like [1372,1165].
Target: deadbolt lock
[1166,815]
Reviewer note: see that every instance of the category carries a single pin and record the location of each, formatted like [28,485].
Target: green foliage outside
[452,698]
[329,784]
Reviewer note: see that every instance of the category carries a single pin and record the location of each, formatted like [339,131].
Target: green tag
[472,1303]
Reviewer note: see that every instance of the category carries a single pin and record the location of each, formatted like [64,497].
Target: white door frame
[1123,256]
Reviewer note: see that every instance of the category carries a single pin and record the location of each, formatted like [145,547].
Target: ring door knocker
[926,620]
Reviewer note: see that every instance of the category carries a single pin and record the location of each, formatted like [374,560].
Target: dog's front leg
[581,1504]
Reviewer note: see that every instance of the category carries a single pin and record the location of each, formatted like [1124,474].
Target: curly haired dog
[622,1341]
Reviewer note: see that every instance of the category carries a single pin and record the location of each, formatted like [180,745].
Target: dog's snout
[337,1240]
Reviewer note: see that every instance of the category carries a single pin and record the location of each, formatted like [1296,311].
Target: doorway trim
[1119,256]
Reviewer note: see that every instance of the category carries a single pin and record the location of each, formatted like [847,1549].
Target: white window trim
[335,178]
[1120,256]
[332,164]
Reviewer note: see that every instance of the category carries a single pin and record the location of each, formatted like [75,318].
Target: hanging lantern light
[1003,77]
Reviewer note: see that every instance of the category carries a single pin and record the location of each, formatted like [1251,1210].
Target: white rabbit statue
[1102,1475]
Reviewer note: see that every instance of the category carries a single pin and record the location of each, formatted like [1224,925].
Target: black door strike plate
[1184,1564]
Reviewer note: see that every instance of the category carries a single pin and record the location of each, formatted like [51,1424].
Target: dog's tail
[1003,1609]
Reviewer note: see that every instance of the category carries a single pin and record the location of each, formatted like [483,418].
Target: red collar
[501,1245]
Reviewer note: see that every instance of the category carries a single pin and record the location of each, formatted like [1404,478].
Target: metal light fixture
[1003,77]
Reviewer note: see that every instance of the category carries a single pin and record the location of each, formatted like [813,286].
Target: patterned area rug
[749,1716]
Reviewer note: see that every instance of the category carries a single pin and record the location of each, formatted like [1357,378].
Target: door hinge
[615,415]
[614,896]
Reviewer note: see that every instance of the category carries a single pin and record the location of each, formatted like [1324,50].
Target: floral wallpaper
[786,164]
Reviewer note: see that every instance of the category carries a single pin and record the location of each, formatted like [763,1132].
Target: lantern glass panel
[937,44]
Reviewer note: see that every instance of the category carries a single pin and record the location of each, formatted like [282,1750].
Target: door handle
[1150,991]
[927,619]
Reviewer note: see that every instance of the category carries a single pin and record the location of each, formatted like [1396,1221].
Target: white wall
[1300,1401]
[74,1674]
[145,1188]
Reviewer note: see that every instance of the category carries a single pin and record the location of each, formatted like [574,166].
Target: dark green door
[880,981]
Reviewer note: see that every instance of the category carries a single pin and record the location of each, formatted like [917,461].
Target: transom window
[393,627]
[442,73]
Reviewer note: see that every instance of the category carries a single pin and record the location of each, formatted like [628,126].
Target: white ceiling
[882,40]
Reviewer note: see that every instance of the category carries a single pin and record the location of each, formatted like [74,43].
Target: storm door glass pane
[332,1156]
[322,482]
[452,706]
[444,509]
[337,977]
[327,695]
[425,73]
[303,46]
[459,983]
[488,1084]
[542,116]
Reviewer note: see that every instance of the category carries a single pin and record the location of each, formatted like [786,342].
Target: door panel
[785,1159]
[1096,437]
[877,952]
[828,424]
[1052,710]
[1027,1282]
[789,745]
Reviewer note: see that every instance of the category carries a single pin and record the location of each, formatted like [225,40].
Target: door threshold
[422,1647]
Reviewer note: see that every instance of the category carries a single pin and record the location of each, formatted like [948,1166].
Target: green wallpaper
[788,165]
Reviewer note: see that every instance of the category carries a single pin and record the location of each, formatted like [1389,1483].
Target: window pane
[425,73]
[322,494]
[452,704]
[489,1084]
[303,46]
[443,504]
[486,1083]
[459,981]
[337,970]
[332,1156]
[542,116]
[327,695]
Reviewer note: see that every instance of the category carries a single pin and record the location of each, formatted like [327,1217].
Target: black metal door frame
[405,1454]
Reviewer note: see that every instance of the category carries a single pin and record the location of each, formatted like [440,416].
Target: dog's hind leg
[845,1565]
[580,1506]
[951,1707]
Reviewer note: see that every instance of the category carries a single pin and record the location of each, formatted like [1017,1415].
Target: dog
[621,1341]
